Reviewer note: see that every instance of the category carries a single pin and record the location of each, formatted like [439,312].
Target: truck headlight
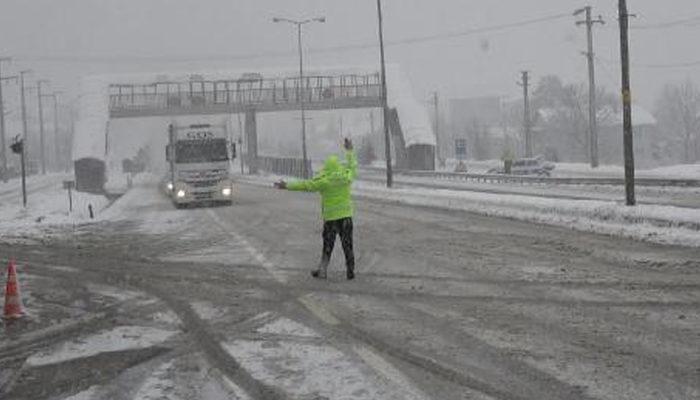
[180,193]
[226,191]
[170,186]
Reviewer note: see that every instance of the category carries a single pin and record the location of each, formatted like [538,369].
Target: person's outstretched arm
[350,161]
[314,184]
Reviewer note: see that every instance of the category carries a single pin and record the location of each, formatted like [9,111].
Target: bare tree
[678,114]
[561,116]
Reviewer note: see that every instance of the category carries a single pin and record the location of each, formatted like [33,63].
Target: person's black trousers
[342,227]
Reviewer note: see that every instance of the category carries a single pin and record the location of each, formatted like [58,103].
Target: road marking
[318,310]
[369,357]
[231,386]
[388,371]
[255,253]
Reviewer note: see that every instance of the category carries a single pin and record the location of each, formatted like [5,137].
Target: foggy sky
[64,40]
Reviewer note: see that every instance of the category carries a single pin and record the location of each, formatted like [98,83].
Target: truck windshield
[201,151]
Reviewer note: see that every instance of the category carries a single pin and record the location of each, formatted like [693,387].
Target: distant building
[646,138]
[561,137]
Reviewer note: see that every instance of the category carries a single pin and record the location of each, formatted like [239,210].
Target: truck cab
[199,158]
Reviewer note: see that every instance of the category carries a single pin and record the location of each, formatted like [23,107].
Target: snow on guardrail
[527,179]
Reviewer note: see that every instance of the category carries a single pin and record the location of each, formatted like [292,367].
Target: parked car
[532,166]
[528,166]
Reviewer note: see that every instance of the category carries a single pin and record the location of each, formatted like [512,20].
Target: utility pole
[57,155]
[41,125]
[18,148]
[71,135]
[385,104]
[527,128]
[23,101]
[627,138]
[437,126]
[3,151]
[592,109]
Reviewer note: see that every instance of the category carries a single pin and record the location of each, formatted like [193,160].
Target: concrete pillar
[400,153]
[251,135]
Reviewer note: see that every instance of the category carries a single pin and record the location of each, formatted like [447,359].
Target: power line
[493,28]
[320,50]
[688,64]
[669,66]
[687,22]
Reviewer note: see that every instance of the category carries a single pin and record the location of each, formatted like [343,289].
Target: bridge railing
[244,93]
[284,166]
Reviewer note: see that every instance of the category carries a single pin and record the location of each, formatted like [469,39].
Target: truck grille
[202,195]
[206,174]
[200,184]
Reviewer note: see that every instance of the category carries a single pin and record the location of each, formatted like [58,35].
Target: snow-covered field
[47,206]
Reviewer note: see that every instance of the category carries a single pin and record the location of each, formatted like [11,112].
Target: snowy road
[218,303]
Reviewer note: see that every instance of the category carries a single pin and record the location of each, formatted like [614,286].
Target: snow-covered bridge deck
[199,96]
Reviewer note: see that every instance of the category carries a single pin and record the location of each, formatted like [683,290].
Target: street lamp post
[300,92]
[385,105]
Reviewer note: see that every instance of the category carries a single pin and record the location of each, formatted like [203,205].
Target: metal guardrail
[545,180]
[285,166]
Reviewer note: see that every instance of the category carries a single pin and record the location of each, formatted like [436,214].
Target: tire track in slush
[365,352]
[371,346]
[129,275]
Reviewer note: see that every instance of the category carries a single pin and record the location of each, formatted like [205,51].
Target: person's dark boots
[320,273]
[350,273]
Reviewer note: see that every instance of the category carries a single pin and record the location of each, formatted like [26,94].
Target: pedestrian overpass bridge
[196,96]
[151,95]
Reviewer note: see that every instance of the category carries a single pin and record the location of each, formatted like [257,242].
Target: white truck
[199,158]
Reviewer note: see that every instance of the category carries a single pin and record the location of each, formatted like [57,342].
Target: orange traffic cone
[13,300]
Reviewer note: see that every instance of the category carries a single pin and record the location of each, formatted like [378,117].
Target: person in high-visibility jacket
[334,184]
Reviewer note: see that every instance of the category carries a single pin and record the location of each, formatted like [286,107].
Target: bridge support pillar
[251,136]
[400,153]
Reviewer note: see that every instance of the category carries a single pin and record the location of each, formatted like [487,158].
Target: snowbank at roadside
[680,171]
[660,224]
[47,207]
[583,170]
[653,223]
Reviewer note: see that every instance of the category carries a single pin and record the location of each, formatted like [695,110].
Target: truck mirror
[233,150]
[167,153]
